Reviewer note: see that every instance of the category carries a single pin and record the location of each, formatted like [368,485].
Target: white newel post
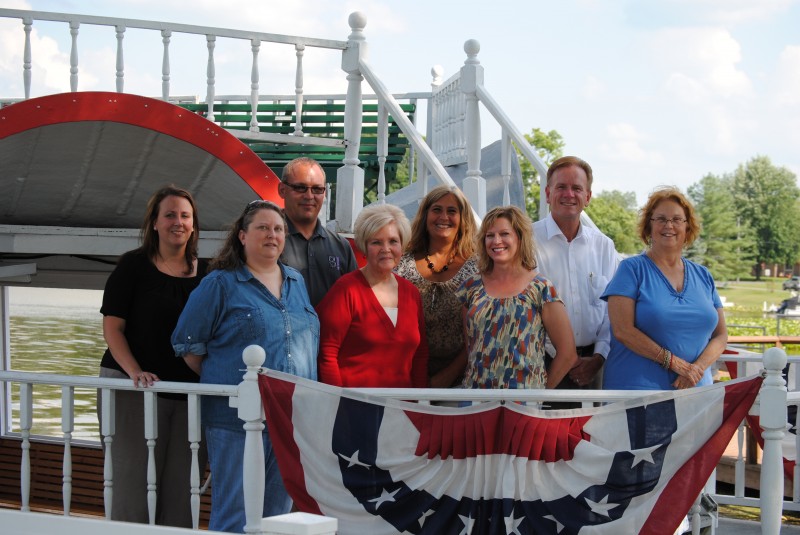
[252,412]
[773,424]
[350,177]
[471,77]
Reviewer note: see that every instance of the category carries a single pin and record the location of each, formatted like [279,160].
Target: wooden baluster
[120,60]
[74,27]
[166,36]
[107,424]
[252,412]
[67,426]
[773,424]
[195,435]
[383,150]
[25,423]
[350,177]
[506,151]
[411,163]
[27,23]
[211,41]
[151,435]
[471,77]
[255,45]
[298,90]
[740,468]
[694,516]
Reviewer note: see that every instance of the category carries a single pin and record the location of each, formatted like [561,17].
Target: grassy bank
[746,316]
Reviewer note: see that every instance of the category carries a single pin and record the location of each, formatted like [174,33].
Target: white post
[255,46]
[773,423]
[194,433]
[506,152]
[107,423]
[383,150]
[434,118]
[471,77]
[120,59]
[73,56]
[350,177]
[298,90]
[151,435]
[67,426]
[211,41]
[25,423]
[26,57]
[252,412]
[166,35]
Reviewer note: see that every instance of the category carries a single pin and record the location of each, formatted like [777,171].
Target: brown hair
[148,235]
[231,255]
[521,224]
[668,193]
[464,244]
[566,161]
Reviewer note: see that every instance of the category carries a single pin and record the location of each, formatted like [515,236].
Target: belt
[585,351]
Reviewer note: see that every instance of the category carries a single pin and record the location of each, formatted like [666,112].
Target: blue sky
[649,92]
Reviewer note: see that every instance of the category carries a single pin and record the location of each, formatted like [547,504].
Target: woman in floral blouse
[509,308]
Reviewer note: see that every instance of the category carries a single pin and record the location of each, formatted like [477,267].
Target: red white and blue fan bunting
[387,467]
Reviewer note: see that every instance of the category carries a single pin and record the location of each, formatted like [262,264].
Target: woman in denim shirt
[249,298]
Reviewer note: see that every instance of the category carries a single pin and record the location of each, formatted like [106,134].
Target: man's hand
[585,371]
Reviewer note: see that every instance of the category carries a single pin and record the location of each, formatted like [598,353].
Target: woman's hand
[144,379]
[688,374]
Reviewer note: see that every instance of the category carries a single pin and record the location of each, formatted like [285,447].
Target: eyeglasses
[676,221]
[302,188]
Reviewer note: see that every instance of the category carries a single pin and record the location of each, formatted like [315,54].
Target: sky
[649,92]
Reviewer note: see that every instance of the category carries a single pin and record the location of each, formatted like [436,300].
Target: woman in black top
[143,298]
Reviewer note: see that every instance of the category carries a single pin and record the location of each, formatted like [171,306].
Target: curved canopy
[92,159]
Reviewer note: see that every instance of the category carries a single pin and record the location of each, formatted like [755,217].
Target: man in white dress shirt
[579,260]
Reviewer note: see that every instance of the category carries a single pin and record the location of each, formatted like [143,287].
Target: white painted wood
[350,177]
[474,184]
[19,523]
[773,423]
[506,153]
[67,426]
[252,412]
[211,42]
[166,37]
[289,139]
[107,405]
[27,23]
[25,423]
[195,435]
[120,31]
[74,28]
[151,435]
[383,150]
[299,524]
[298,90]
[255,46]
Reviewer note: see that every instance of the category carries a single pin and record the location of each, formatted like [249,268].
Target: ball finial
[254,355]
[472,47]
[357,20]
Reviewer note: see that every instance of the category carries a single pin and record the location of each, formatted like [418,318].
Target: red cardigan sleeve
[335,317]
[419,365]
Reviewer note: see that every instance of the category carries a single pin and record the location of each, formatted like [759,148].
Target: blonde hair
[376,216]
[668,193]
[464,244]
[521,224]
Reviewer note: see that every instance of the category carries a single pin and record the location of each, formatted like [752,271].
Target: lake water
[57,331]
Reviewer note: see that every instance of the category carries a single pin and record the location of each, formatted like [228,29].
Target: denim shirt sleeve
[196,323]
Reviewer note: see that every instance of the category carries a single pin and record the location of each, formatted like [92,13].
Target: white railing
[246,397]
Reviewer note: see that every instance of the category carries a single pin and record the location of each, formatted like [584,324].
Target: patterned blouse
[443,323]
[505,335]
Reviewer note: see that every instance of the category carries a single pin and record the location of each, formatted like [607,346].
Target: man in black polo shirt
[320,256]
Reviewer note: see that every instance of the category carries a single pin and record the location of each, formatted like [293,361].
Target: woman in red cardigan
[372,329]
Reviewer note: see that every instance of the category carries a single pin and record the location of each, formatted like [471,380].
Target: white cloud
[700,63]
[624,145]
[787,90]
[739,11]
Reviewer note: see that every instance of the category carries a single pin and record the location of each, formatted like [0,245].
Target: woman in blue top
[250,298]
[666,317]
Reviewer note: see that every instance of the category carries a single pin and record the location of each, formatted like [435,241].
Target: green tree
[766,200]
[614,213]
[725,245]
[549,146]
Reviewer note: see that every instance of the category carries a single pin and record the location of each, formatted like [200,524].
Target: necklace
[444,267]
[164,263]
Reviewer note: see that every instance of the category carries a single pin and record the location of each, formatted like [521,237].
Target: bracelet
[658,355]
[667,359]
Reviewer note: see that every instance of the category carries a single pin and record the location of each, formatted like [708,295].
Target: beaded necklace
[444,268]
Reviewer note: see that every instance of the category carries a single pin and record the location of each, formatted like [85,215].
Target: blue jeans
[226,454]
